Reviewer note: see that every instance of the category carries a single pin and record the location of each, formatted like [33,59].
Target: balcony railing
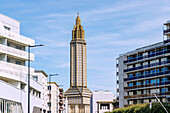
[147,85]
[148,95]
[146,76]
[16,52]
[14,71]
[16,37]
[148,56]
[146,66]
[166,31]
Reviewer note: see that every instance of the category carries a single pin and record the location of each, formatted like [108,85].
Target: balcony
[16,37]
[147,85]
[147,66]
[167,31]
[146,76]
[16,52]
[147,95]
[14,71]
[150,55]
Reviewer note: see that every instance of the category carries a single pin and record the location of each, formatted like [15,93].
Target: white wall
[100,96]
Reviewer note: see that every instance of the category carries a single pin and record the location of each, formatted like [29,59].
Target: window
[8,59]
[164,69]
[152,71]
[163,49]
[153,100]
[18,62]
[145,72]
[155,80]
[146,82]
[130,75]
[49,103]
[130,93]
[130,84]
[164,90]
[8,44]
[146,91]
[130,57]
[130,102]
[138,83]
[18,47]
[146,100]
[152,52]
[164,79]
[35,78]
[157,70]
[138,73]
[7,28]
[139,92]
[49,87]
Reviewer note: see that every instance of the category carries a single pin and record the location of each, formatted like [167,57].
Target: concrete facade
[57,98]
[78,95]
[102,102]
[13,72]
[145,72]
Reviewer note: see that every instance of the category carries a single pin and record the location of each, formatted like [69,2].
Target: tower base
[78,99]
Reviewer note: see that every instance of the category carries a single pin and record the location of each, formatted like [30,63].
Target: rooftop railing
[147,85]
[148,95]
[148,56]
[146,76]
[147,66]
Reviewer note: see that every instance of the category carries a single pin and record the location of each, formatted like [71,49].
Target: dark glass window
[138,73]
[146,82]
[164,79]
[130,84]
[130,75]
[145,72]
[164,89]
[49,87]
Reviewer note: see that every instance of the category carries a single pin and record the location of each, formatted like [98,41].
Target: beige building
[57,98]
[78,94]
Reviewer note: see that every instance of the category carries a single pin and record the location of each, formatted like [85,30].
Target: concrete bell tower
[78,94]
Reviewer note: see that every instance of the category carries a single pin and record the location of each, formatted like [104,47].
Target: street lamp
[50,90]
[29,74]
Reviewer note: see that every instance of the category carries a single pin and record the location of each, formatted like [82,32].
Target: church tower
[78,95]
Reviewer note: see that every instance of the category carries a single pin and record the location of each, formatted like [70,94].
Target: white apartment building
[102,102]
[57,99]
[41,77]
[13,72]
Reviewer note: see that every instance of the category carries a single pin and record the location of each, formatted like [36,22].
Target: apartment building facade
[13,72]
[56,103]
[144,73]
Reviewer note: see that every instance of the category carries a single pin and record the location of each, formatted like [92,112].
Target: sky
[112,27]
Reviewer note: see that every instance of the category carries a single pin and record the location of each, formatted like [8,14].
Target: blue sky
[111,27]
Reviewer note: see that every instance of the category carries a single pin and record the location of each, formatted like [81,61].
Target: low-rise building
[102,102]
[55,98]
[41,77]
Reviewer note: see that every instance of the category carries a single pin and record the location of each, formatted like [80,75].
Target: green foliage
[144,108]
